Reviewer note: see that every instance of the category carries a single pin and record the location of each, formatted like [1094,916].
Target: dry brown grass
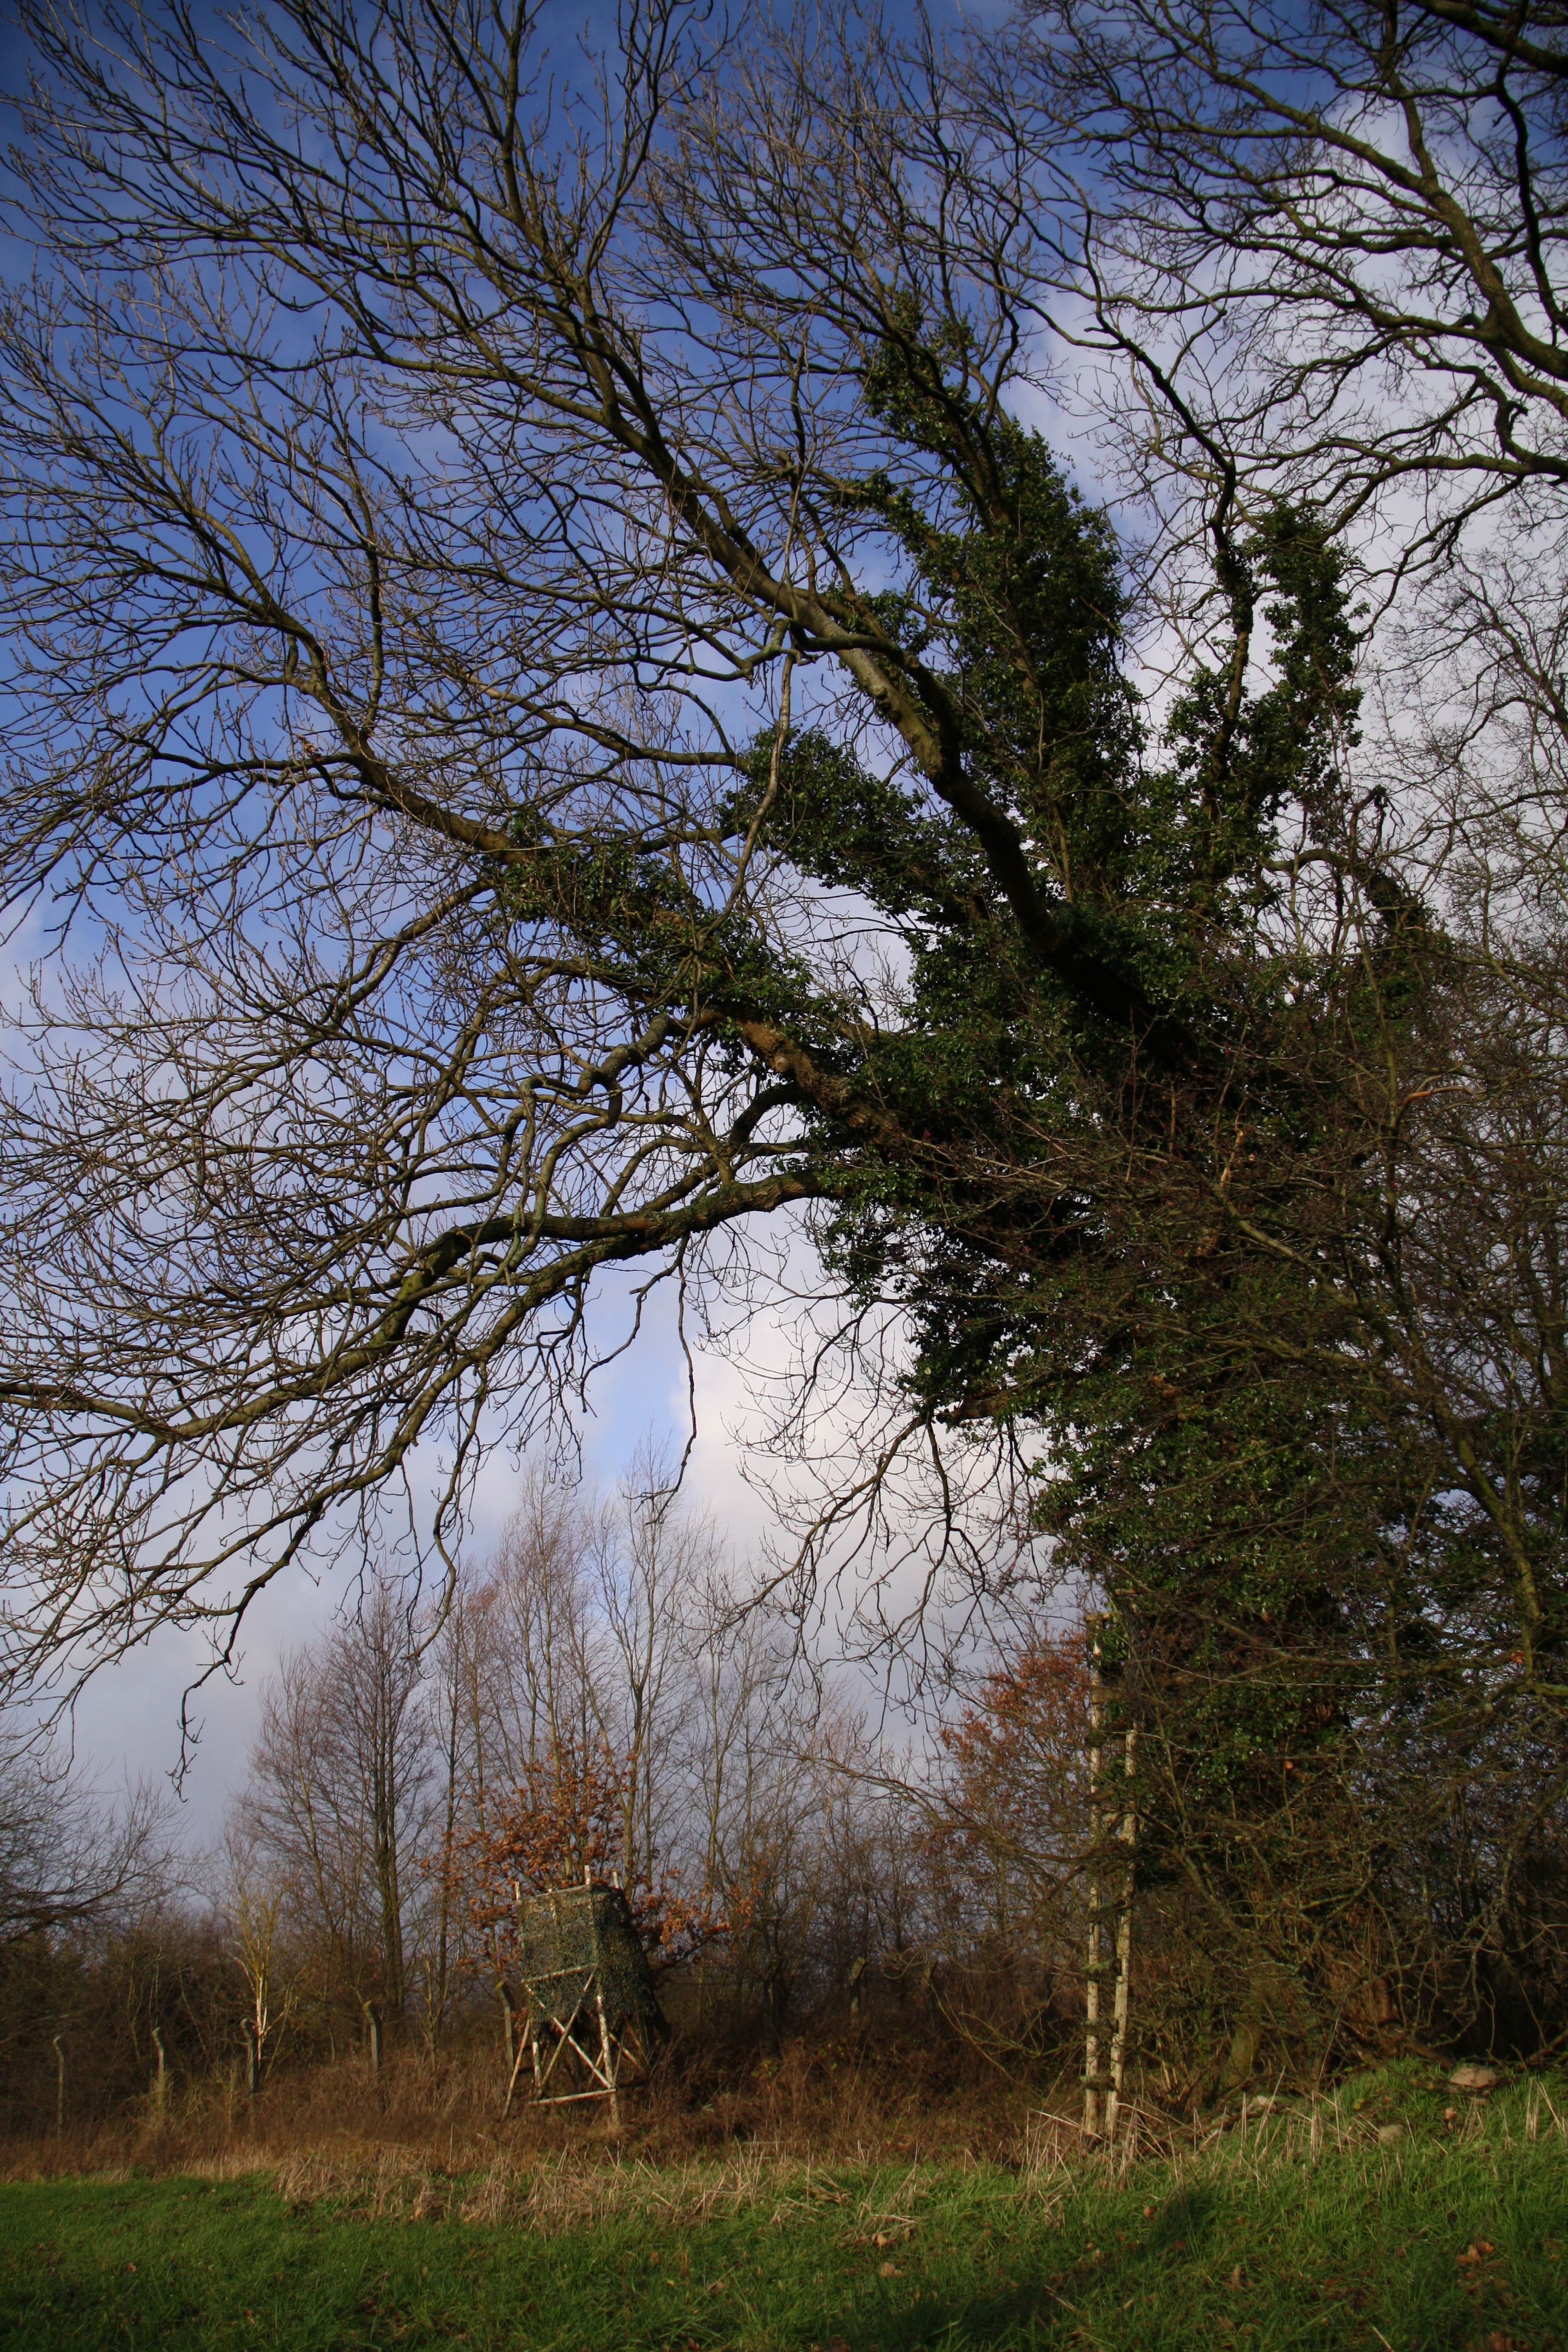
[863,2100]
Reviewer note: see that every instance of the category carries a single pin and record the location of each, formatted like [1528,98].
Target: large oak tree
[559,715]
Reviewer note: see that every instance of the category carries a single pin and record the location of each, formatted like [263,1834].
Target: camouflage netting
[564,1936]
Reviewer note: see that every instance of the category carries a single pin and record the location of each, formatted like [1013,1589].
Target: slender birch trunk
[1091,1972]
[1128,1835]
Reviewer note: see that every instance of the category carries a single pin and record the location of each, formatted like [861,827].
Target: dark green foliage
[1131,1176]
[1190,1148]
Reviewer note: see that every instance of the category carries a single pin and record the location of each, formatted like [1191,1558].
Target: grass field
[1308,2231]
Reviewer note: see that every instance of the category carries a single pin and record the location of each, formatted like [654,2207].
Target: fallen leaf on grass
[1235,2281]
[888,2270]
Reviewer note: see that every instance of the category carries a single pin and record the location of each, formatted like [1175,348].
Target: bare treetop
[431,470]
[1326,245]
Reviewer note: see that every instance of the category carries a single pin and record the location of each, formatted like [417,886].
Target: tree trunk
[775,2003]
[1128,1835]
[1094,1626]
[609,2059]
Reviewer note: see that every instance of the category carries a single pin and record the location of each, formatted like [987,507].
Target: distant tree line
[594,1700]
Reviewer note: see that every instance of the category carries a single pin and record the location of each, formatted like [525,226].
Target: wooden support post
[252,2059]
[522,2051]
[508,2000]
[607,2052]
[857,1979]
[161,2080]
[1094,1626]
[517,2047]
[373,2028]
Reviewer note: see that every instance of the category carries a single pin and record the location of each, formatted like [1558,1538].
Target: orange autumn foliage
[563,1823]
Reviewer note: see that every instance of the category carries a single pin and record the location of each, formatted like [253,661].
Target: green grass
[1456,2236]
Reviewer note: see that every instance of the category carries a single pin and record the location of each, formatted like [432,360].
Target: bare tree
[536,1635]
[439,1929]
[255,1902]
[68,1857]
[757,1794]
[373,1697]
[1338,232]
[561,716]
[340,1780]
[497,437]
[308,1815]
[651,1558]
